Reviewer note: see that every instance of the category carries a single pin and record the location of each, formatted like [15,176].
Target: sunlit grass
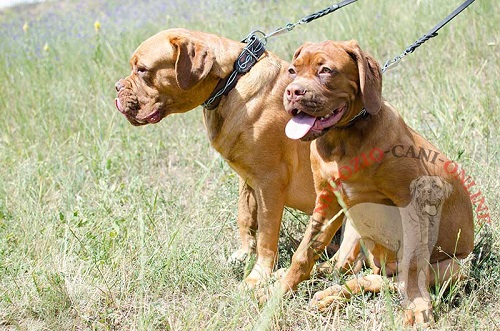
[108,226]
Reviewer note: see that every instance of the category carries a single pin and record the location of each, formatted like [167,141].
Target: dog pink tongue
[299,126]
[431,210]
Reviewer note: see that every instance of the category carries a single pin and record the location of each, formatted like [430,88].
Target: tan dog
[175,71]
[332,83]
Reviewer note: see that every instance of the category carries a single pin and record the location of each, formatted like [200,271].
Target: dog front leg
[247,224]
[413,277]
[444,273]
[320,231]
[418,306]
[348,258]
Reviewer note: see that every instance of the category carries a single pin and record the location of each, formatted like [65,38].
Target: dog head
[429,193]
[332,83]
[172,72]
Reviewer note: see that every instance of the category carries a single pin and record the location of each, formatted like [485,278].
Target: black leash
[431,34]
[290,26]
[392,63]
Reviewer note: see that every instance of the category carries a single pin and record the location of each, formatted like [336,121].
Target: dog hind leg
[247,224]
[270,205]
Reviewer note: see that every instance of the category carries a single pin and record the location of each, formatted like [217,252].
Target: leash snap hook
[389,64]
[253,35]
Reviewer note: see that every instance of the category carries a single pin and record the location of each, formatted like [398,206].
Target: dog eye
[291,71]
[141,70]
[325,70]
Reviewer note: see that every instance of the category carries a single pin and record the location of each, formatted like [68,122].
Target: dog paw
[238,258]
[327,299]
[264,293]
[241,262]
[419,312]
[270,293]
[255,280]
[424,318]
[249,284]
[264,288]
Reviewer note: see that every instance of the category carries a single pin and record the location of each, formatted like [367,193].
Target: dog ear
[448,189]
[194,62]
[297,52]
[370,78]
[413,186]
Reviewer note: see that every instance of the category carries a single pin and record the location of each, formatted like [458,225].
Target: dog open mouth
[301,124]
[431,208]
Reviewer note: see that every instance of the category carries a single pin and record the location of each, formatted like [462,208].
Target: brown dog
[332,83]
[175,71]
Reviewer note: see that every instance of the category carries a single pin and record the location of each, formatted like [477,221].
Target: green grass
[105,226]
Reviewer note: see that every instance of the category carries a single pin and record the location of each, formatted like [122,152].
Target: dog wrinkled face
[153,90]
[326,91]
[139,95]
[430,192]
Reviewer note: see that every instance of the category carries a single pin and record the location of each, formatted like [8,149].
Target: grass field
[106,226]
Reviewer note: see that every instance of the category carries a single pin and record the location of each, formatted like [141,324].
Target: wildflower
[46,47]
[97,26]
[25,27]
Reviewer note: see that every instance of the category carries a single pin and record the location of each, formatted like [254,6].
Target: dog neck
[346,139]
[360,116]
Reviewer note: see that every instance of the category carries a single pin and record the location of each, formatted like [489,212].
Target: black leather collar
[245,61]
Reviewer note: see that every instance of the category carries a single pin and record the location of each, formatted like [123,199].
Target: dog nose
[119,86]
[295,91]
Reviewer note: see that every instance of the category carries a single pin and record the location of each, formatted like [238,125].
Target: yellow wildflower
[25,27]
[46,47]
[97,26]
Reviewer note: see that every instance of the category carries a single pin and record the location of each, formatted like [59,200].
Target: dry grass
[104,226]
